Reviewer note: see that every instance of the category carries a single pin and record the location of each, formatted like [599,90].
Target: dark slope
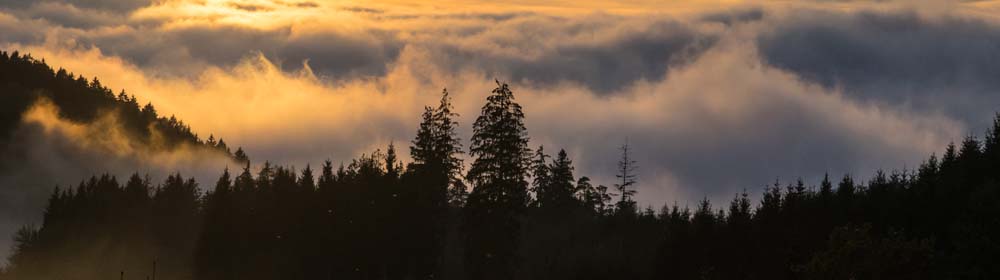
[23,80]
[25,177]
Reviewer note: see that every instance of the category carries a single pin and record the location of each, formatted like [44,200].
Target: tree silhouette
[626,173]
[558,193]
[541,176]
[500,192]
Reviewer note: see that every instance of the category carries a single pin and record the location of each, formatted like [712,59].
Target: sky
[714,97]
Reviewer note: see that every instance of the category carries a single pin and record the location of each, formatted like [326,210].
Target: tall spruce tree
[500,189]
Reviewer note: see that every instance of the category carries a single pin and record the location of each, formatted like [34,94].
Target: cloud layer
[947,64]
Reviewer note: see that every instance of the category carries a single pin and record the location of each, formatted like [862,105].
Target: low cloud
[47,151]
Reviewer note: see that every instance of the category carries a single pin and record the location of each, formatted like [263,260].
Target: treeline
[516,213]
[24,80]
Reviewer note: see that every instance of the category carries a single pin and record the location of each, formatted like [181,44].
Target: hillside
[24,80]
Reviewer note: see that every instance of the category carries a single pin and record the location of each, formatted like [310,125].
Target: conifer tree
[393,167]
[216,243]
[306,180]
[499,143]
[540,175]
[594,198]
[241,157]
[437,147]
[626,173]
[558,193]
[500,189]
[326,178]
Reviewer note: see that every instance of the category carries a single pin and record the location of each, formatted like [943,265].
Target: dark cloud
[251,7]
[17,30]
[363,10]
[71,16]
[182,51]
[114,5]
[306,5]
[545,52]
[949,63]
[297,4]
[339,55]
[613,65]
[735,16]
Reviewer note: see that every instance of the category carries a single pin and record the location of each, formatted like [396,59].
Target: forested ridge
[515,212]
[25,80]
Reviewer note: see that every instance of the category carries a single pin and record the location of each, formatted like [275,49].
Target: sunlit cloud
[298,81]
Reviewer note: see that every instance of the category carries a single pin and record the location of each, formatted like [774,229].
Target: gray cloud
[341,55]
[547,51]
[949,63]
[113,5]
[71,16]
[736,16]
[696,137]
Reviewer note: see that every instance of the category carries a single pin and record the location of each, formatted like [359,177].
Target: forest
[24,80]
[511,212]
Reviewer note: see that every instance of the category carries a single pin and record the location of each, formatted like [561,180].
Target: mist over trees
[516,213]
[25,80]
